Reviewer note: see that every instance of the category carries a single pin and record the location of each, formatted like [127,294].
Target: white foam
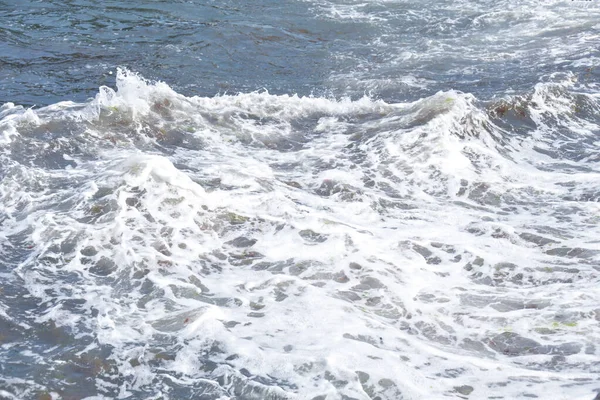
[346,277]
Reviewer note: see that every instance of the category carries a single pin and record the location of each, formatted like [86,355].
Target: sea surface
[299,199]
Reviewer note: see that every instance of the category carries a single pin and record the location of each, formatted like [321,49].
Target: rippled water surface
[314,200]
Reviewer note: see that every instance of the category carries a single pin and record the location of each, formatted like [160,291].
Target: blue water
[324,199]
[53,51]
[64,50]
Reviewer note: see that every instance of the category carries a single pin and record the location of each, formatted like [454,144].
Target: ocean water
[320,199]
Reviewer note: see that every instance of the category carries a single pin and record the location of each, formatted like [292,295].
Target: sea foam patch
[262,246]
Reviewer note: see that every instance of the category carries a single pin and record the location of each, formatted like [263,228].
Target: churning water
[328,199]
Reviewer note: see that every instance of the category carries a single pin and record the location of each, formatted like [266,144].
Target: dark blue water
[64,50]
[323,200]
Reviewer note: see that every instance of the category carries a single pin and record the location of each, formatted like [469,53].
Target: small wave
[262,246]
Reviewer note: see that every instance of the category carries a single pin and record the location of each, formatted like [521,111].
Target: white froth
[308,246]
